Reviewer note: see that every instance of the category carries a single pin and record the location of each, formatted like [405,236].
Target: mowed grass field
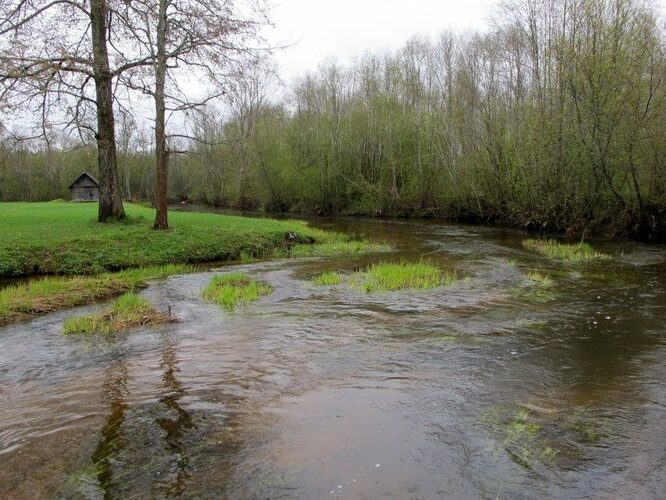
[65,238]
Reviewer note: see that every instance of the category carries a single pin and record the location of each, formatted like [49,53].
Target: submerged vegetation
[403,275]
[522,438]
[537,287]
[127,311]
[571,252]
[234,289]
[549,439]
[51,293]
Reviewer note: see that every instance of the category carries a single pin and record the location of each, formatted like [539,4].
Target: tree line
[552,120]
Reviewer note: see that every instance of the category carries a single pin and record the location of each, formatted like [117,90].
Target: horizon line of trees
[552,120]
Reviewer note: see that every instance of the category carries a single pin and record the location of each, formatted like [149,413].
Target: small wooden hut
[85,188]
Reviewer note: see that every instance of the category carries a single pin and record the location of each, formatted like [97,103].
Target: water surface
[491,388]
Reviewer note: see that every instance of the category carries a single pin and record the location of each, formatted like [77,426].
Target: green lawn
[64,238]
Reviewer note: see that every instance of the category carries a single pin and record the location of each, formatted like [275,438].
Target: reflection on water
[175,425]
[111,438]
[490,388]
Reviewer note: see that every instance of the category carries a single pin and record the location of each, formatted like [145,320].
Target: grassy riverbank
[51,293]
[98,261]
[64,238]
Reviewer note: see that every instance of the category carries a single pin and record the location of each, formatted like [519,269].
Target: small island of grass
[234,289]
[403,275]
[571,252]
[327,279]
[126,312]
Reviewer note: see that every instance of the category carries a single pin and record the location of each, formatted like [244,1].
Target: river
[490,388]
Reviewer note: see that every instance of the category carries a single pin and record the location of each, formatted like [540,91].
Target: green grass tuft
[127,311]
[327,279]
[574,252]
[540,279]
[403,275]
[231,290]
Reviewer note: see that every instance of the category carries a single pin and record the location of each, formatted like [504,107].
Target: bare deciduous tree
[194,49]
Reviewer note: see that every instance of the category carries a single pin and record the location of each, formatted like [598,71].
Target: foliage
[403,275]
[127,311]
[231,290]
[574,252]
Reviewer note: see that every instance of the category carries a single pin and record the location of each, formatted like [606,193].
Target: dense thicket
[553,119]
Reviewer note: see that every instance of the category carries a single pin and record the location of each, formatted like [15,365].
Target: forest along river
[490,388]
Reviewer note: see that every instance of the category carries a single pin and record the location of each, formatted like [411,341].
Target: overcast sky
[346,28]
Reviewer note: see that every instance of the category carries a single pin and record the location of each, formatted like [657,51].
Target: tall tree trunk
[110,201]
[161,152]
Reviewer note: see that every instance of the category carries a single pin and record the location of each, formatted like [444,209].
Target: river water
[490,388]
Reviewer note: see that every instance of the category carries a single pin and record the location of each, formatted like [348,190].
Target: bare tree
[194,49]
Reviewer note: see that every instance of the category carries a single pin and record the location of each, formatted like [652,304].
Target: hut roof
[82,177]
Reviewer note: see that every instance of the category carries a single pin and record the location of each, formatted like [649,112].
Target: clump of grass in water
[127,311]
[537,289]
[327,279]
[540,279]
[522,439]
[231,290]
[574,252]
[404,275]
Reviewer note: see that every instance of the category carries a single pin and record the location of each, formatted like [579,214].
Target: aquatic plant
[403,275]
[523,439]
[571,252]
[127,311]
[540,279]
[327,279]
[585,429]
[233,289]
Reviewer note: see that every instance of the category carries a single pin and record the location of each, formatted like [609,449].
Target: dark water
[491,388]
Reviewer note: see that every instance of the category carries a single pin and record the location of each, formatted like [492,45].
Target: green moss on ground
[234,289]
[127,311]
[570,252]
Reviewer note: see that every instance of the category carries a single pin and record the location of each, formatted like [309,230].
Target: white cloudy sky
[342,29]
